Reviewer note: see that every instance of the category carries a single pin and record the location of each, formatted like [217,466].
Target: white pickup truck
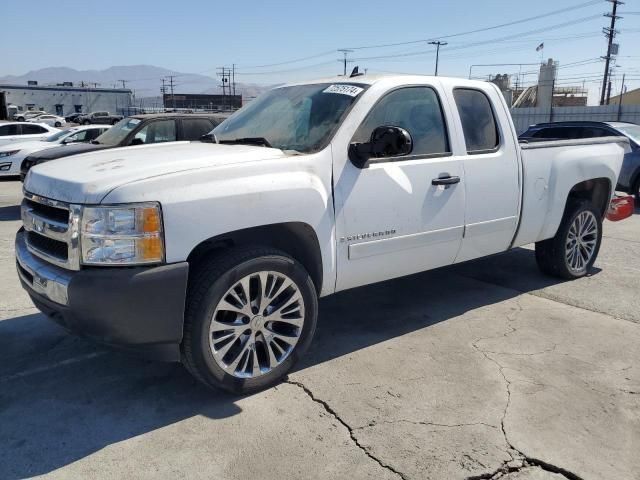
[215,253]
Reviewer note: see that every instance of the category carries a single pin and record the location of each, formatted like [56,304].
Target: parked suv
[99,117]
[629,180]
[136,130]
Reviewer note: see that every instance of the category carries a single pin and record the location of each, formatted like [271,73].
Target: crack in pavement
[333,413]
[526,460]
[433,424]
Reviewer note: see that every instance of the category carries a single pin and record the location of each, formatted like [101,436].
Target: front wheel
[113,122]
[574,249]
[86,122]
[250,314]
[58,124]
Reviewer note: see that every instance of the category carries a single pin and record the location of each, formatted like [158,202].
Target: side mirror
[386,141]
[70,139]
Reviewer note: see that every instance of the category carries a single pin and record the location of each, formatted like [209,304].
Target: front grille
[48,246]
[52,230]
[54,213]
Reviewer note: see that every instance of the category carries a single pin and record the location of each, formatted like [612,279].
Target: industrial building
[545,93]
[202,101]
[632,97]
[62,99]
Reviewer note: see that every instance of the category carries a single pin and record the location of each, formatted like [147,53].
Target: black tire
[57,124]
[114,121]
[208,282]
[551,254]
[86,122]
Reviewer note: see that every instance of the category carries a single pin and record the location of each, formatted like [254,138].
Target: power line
[310,57]
[485,29]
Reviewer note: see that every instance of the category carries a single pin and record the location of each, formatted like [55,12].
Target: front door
[392,217]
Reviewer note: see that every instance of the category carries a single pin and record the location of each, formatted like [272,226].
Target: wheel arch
[596,190]
[297,239]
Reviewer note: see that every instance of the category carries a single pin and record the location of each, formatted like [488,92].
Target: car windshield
[57,136]
[632,131]
[301,117]
[116,134]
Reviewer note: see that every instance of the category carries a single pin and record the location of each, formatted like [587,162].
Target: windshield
[118,132]
[301,117]
[631,131]
[58,136]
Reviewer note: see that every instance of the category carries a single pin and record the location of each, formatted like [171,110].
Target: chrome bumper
[43,278]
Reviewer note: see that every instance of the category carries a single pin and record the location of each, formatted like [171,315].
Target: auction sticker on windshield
[350,90]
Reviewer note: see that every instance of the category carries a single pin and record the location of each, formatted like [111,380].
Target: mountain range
[144,80]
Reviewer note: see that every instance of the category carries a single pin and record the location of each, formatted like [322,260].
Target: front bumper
[137,308]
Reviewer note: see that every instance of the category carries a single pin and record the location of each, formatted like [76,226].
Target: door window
[417,110]
[194,128]
[478,121]
[8,130]
[155,132]
[33,129]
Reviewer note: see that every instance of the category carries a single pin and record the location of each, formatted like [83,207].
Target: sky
[279,41]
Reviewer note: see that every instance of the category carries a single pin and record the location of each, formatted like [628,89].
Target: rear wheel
[250,314]
[573,250]
[58,124]
[113,122]
[86,122]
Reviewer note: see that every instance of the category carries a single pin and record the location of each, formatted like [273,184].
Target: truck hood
[88,178]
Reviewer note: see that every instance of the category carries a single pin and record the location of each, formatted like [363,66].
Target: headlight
[122,235]
[9,153]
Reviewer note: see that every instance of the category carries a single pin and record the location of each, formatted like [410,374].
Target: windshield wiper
[248,141]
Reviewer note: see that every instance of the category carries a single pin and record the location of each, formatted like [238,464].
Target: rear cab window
[479,123]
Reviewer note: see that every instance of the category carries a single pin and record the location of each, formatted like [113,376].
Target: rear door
[491,170]
[391,220]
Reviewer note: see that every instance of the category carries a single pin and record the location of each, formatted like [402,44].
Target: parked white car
[26,115]
[12,154]
[49,119]
[21,131]
[215,254]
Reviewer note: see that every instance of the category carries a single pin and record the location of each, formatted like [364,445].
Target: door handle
[445,181]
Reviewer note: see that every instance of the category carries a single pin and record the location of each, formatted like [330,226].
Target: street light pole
[438,44]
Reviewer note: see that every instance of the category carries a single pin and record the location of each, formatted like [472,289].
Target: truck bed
[550,170]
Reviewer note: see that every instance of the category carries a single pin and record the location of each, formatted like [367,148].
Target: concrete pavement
[483,370]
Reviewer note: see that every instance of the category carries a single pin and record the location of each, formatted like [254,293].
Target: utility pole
[225,74]
[163,90]
[438,44]
[344,60]
[620,98]
[610,33]
[609,84]
[171,84]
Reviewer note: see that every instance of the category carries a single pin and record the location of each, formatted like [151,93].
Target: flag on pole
[540,47]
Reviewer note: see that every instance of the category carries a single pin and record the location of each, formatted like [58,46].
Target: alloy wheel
[581,241]
[257,324]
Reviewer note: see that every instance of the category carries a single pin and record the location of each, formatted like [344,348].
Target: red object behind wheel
[620,208]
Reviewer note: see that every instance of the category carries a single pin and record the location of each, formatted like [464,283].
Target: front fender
[205,203]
